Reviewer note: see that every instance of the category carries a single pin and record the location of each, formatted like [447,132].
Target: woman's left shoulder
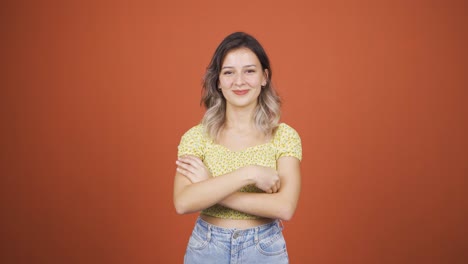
[288,142]
[284,128]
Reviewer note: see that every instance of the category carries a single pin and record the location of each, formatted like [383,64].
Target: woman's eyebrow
[245,66]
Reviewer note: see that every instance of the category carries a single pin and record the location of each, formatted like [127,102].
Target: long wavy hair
[267,112]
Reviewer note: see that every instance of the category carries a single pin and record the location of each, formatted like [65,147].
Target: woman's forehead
[240,57]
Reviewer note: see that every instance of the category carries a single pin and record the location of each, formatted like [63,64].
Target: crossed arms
[195,189]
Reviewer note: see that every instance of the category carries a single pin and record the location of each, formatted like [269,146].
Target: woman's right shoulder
[196,131]
[193,142]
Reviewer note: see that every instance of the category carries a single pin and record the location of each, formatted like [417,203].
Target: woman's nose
[239,81]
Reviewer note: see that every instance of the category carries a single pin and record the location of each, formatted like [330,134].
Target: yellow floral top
[221,160]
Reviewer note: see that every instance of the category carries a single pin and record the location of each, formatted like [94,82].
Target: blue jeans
[218,245]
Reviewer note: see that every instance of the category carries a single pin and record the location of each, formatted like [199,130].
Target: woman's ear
[265,77]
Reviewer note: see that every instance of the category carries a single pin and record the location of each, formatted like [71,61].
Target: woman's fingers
[189,175]
[184,160]
[275,188]
[193,161]
[186,166]
[196,168]
[184,172]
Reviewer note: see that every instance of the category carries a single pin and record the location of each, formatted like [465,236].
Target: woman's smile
[241,92]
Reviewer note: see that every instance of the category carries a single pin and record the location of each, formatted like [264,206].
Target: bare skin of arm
[278,203]
[195,189]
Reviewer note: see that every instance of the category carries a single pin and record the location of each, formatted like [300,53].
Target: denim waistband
[257,230]
[231,241]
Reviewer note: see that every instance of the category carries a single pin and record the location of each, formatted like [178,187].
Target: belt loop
[280,224]
[256,235]
[208,236]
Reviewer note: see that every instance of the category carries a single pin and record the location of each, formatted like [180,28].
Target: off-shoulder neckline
[247,149]
[250,148]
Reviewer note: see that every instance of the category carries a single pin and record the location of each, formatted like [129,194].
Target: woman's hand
[193,168]
[265,178]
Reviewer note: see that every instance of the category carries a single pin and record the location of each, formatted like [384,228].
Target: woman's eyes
[230,72]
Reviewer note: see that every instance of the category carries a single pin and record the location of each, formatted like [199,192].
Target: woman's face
[241,78]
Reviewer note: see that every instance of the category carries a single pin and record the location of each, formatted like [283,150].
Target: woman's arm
[282,204]
[191,197]
[195,189]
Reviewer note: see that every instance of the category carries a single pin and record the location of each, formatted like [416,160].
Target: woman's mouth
[240,92]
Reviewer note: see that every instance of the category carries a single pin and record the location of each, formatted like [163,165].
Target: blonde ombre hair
[267,113]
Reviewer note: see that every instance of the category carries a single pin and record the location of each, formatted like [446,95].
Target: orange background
[96,94]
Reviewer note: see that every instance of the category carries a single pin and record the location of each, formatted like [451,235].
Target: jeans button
[235,235]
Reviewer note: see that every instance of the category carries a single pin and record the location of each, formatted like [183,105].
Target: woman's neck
[239,118]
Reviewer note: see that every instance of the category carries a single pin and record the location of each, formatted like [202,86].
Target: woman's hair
[267,113]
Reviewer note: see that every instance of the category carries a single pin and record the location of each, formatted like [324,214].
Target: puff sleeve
[288,142]
[192,143]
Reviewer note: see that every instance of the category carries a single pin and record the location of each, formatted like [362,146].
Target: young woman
[240,167]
